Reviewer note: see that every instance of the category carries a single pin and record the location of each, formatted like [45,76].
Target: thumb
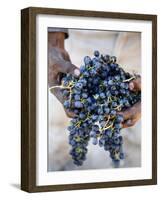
[126,114]
[128,123]
[135,85]
[67,67]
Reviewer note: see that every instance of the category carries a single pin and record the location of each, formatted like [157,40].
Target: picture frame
[29,78]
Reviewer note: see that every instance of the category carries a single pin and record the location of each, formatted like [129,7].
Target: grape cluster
[95,98]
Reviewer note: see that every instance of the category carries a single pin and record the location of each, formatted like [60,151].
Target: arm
[59,63]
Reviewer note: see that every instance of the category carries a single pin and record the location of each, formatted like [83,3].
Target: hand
[132,114]
[59,63]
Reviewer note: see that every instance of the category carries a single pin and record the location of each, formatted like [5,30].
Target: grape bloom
[95,98]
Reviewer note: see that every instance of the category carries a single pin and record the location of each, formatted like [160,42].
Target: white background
[10,98]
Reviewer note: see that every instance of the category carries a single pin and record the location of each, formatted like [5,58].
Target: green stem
[127,80]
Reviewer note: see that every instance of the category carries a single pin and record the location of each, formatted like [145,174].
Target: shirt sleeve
[62,30]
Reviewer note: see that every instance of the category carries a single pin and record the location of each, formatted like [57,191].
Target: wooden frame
[28,98]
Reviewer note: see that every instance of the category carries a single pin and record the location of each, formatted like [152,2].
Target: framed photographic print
[88,99]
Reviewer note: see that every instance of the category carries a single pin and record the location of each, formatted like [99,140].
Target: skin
[133,114]
[59,63]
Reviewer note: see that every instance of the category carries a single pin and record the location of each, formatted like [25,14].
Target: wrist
[56,39]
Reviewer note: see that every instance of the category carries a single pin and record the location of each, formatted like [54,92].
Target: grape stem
[69,87]
[109,99]
[108,127]
[104,128]
[107,121]
[118,108]
[78,124]
[127,80]
[59,86]
[82,121]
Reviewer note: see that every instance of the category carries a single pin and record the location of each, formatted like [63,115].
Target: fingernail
[77,72]
[128,122]
[131,86]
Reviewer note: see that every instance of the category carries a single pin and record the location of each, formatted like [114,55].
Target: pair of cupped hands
[60,63]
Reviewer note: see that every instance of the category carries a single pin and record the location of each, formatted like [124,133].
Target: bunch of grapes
[96,97]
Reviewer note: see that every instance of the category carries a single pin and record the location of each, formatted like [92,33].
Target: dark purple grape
[95,98]
[96,53]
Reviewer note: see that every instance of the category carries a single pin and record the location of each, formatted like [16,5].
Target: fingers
[67,67]
[58,69]
[127,118]
[135,85]
[131,112]
[69,114]
[59,95]
[131,115]
[126,114]
[128,123]
[59,62]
